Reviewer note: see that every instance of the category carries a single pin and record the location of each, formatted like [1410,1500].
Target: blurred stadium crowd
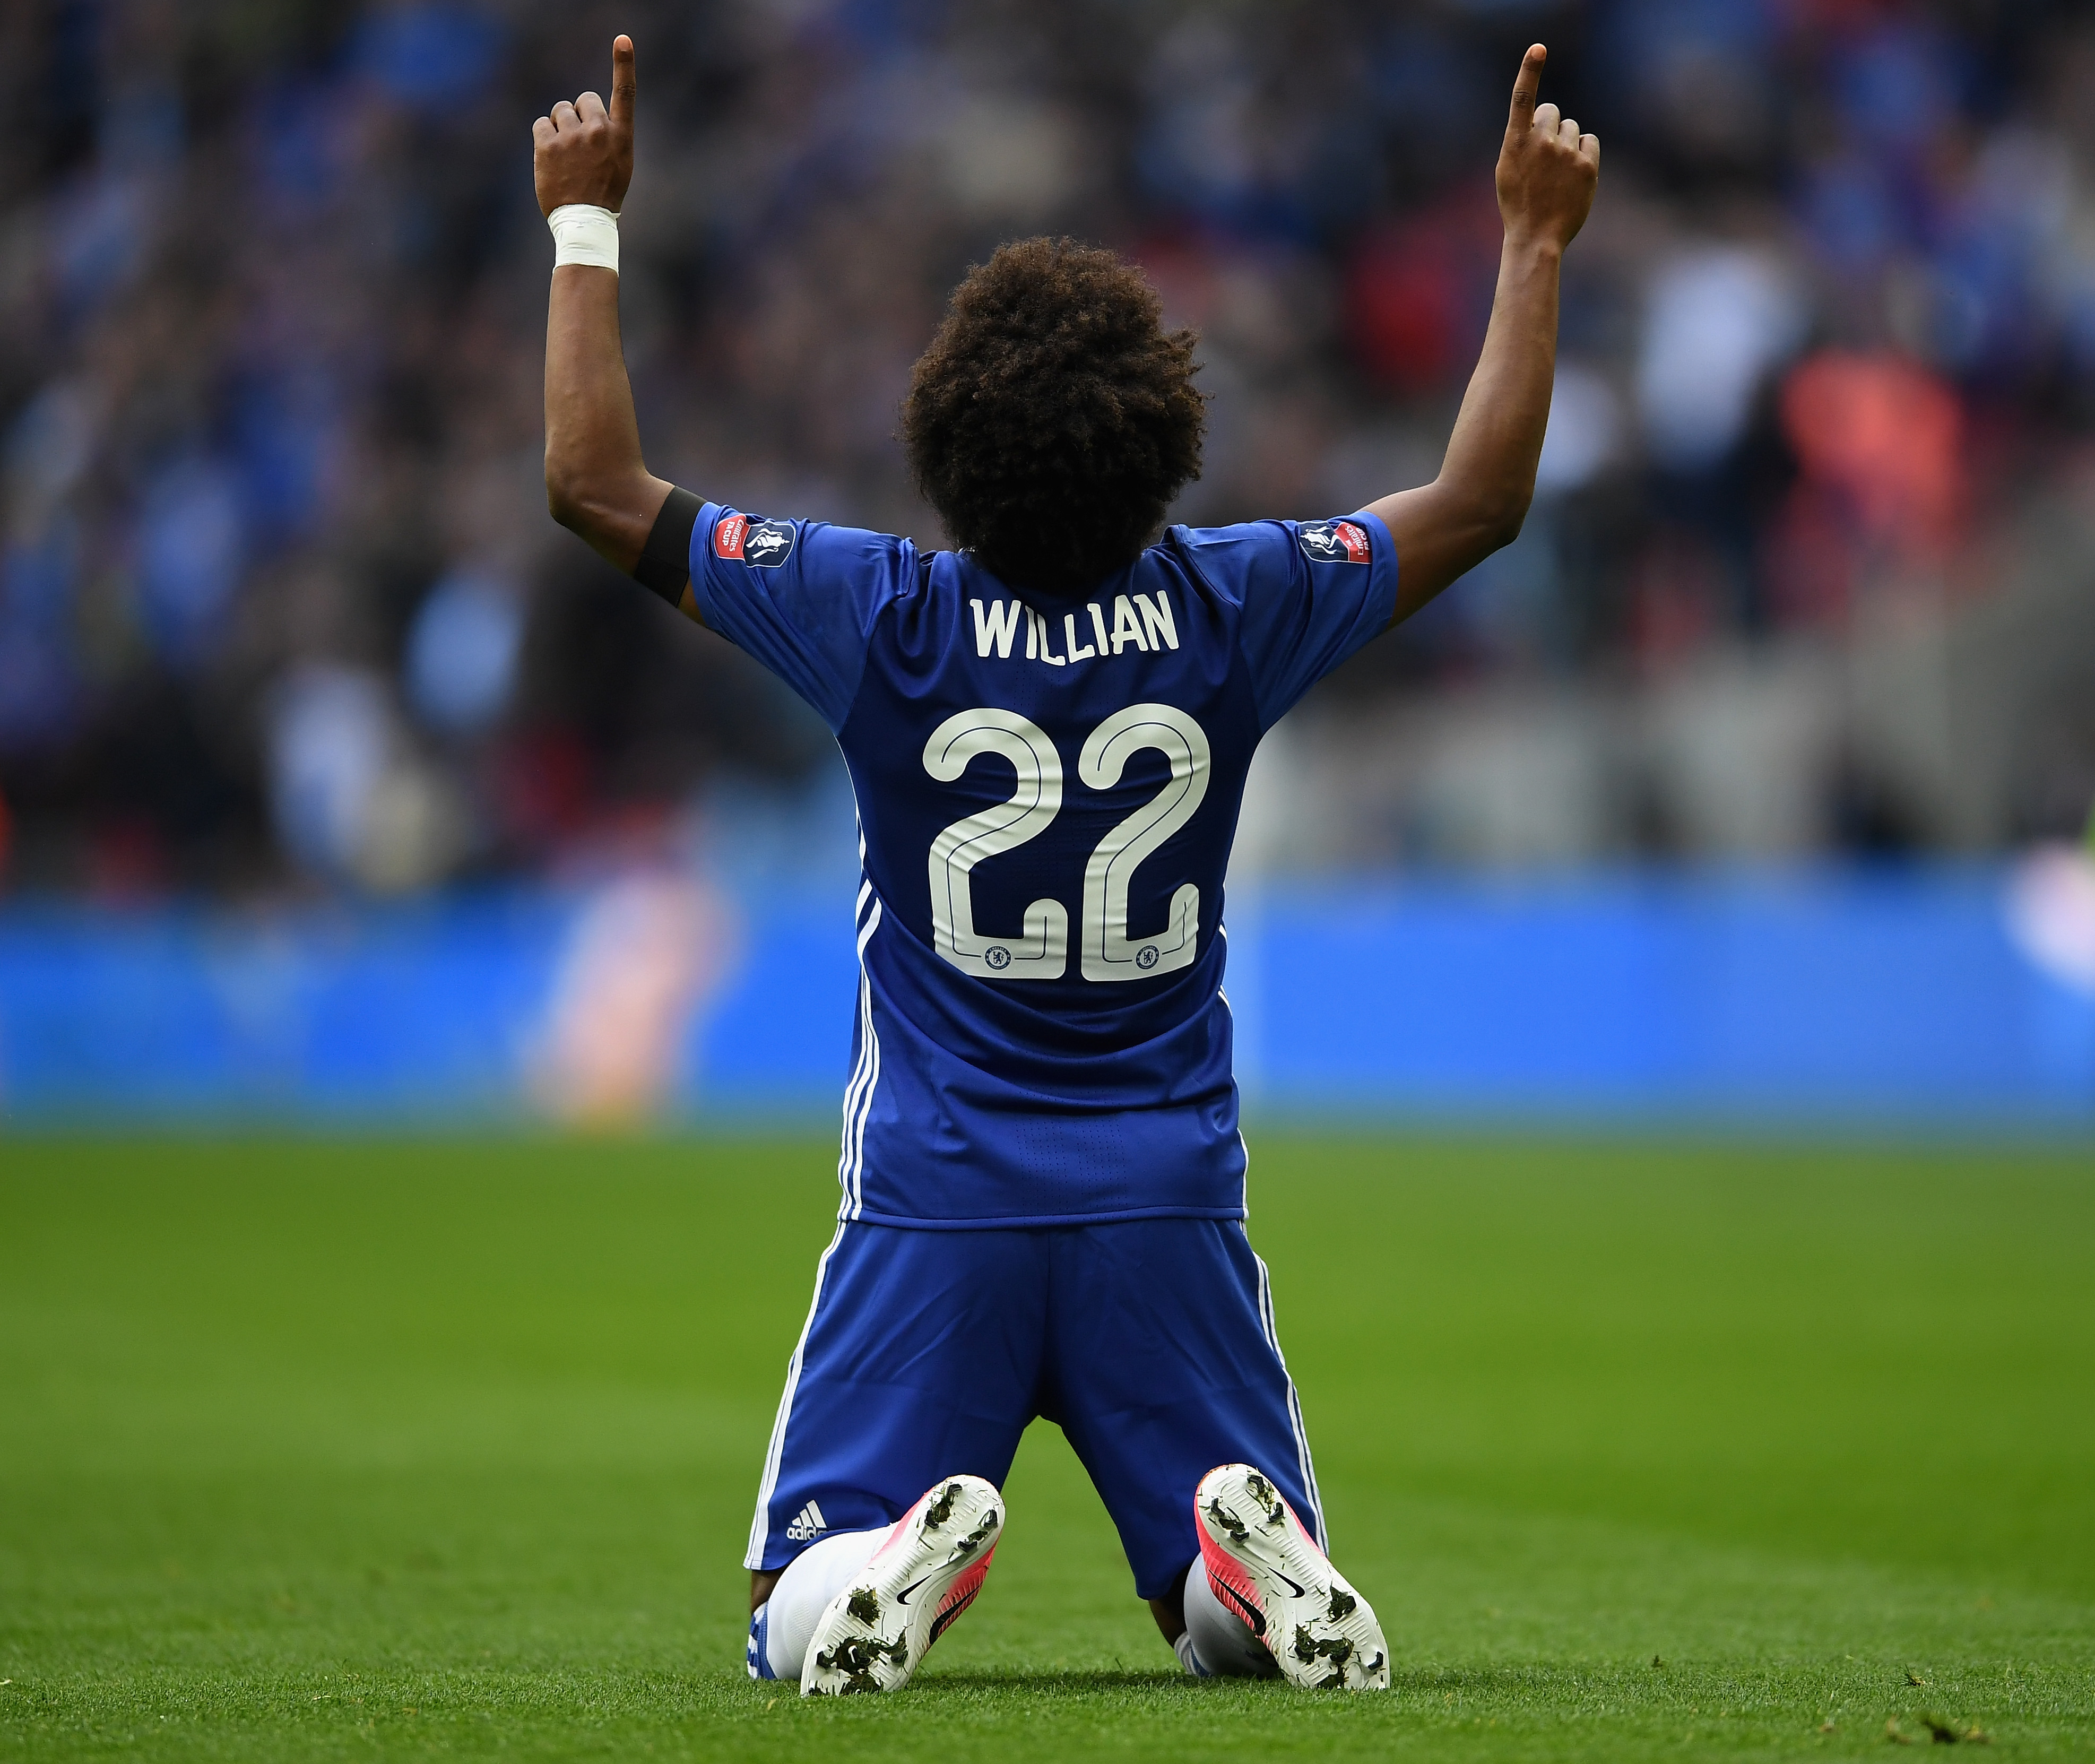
[1811,567]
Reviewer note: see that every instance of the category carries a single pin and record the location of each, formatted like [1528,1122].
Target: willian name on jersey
[1140,622]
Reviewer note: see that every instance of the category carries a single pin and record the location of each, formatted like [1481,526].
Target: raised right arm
[1547,173]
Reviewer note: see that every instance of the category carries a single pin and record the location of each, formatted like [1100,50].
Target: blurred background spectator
[1811,568]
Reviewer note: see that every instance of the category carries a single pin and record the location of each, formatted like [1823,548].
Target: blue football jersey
[1046,797]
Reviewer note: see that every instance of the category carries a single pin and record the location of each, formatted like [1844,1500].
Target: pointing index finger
[624,84]
[1525,86]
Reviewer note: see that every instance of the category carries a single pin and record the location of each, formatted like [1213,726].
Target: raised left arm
[597,484]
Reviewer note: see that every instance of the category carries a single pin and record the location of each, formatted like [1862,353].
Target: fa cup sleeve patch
[765,543]
[1334,541]
[769,543]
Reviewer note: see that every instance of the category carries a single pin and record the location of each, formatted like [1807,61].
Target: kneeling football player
[1047,729]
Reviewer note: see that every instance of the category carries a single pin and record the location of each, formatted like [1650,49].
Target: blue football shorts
[1149,1342]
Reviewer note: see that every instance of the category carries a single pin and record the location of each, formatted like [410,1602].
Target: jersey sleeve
[801,596]
[1312,592]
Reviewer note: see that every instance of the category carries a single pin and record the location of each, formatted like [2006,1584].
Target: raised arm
[1547,173]
[596,484]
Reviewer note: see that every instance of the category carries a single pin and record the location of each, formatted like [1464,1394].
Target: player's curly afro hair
[1053,419]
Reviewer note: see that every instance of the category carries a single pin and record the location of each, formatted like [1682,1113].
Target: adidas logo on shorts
[808,1523]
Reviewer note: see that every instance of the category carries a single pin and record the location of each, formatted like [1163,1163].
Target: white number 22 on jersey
[1042,953]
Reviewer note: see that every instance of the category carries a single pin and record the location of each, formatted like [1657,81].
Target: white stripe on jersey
[860,1071]
[865,1077]
[872,1079]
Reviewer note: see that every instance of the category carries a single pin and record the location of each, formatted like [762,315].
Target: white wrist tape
[584,233]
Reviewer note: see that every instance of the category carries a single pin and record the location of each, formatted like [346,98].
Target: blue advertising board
[1890,996]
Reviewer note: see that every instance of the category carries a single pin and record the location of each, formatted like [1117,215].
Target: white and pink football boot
[924,1572]
[1264,1566]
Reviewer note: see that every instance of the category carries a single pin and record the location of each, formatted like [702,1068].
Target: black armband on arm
[665,560]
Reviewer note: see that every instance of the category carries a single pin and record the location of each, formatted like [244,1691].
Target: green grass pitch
[440,1449]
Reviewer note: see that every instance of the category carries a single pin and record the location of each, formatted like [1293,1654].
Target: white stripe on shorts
[759,1527]
[1302,1458]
